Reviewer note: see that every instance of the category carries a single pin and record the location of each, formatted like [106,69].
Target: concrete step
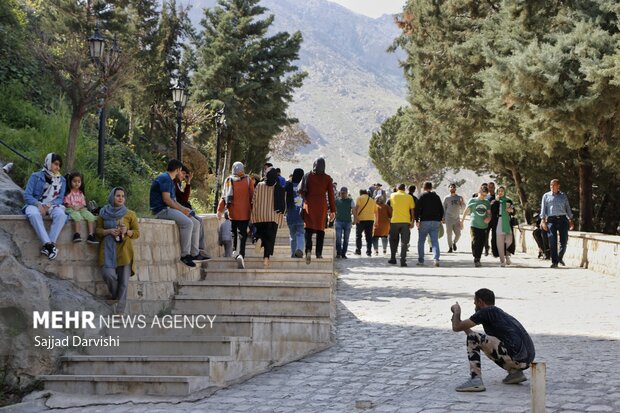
[168,346]
[263,307]
[136,365]
[284,251]
[274,262]
[222,327]
[121,384]
[301,275]
[218,290]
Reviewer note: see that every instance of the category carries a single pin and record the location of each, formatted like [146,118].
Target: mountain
[353,83]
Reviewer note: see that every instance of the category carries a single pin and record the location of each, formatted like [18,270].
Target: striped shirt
[263,205]
[555,204]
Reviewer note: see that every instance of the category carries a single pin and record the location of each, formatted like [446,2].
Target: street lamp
[220,123]
[96,49]
[179,97]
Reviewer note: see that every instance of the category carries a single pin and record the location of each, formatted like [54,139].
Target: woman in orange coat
[317,190]
[381,227]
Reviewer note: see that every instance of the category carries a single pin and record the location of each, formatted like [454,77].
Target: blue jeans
[343,230]
[296,232]
[557,225]
[428,228]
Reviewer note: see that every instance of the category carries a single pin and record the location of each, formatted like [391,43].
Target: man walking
[453,204]
[557,218]
[505,341]
[365,213]
[345,206]
[480,210]
[403,217]
[429,214]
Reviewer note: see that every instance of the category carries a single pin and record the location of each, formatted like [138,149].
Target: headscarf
[271,179]
[110,215]
[298,175]
[53,181]
[238,173]
[318,168]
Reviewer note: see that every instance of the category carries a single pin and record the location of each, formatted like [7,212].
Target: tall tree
[62,46]
[251,73]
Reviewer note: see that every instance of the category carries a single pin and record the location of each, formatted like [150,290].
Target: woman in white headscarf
[44,195]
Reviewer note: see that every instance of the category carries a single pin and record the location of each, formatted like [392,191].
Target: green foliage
[249,72]
[39,133]
[526,90]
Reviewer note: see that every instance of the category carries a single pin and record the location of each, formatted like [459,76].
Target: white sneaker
[472,385]
[240,262]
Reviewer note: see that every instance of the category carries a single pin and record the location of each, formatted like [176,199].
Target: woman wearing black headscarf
[294,203]
[268,212]
[317,189]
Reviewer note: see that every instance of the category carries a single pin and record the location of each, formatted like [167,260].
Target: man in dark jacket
[429,214]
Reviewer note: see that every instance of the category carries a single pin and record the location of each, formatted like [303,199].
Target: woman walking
[117,226]
[294,203]
[381,227]
[502,235]
[317,190]
[268,212]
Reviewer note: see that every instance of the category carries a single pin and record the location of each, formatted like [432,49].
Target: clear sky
[373,8]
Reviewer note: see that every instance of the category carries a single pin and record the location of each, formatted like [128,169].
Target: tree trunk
[585,190]
[74,130]
[527,209]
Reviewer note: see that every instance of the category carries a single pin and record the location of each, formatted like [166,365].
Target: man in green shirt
[480,216]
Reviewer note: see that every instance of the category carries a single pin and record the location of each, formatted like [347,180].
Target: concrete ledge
[597,252]
[156,253]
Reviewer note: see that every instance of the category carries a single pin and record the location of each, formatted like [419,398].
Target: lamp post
[179,97]
[96,49]
[220,122]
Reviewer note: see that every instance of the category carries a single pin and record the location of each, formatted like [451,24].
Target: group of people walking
[308,202]
[392,218]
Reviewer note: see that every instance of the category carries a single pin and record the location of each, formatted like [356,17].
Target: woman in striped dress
[268,208]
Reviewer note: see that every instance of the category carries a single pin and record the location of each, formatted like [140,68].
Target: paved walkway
[395,349]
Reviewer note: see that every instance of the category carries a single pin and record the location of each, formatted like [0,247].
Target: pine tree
[249,72]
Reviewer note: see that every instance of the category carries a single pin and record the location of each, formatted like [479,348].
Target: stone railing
[156,253]
[598,252]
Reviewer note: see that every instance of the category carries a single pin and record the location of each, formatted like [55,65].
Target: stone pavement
[395,351]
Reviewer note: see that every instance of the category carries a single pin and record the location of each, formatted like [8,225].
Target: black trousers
[364,227]
[402,231]
[478,239]
[267,232]
[320,237]
[543,242]
[239,229]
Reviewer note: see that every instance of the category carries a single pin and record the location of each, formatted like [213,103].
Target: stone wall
[157,254]
[598,252]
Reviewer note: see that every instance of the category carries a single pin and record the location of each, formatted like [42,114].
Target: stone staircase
[264,318]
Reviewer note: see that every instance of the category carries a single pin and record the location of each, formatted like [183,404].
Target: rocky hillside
[352,87]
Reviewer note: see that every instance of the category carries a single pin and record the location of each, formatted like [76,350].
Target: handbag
[514,222]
